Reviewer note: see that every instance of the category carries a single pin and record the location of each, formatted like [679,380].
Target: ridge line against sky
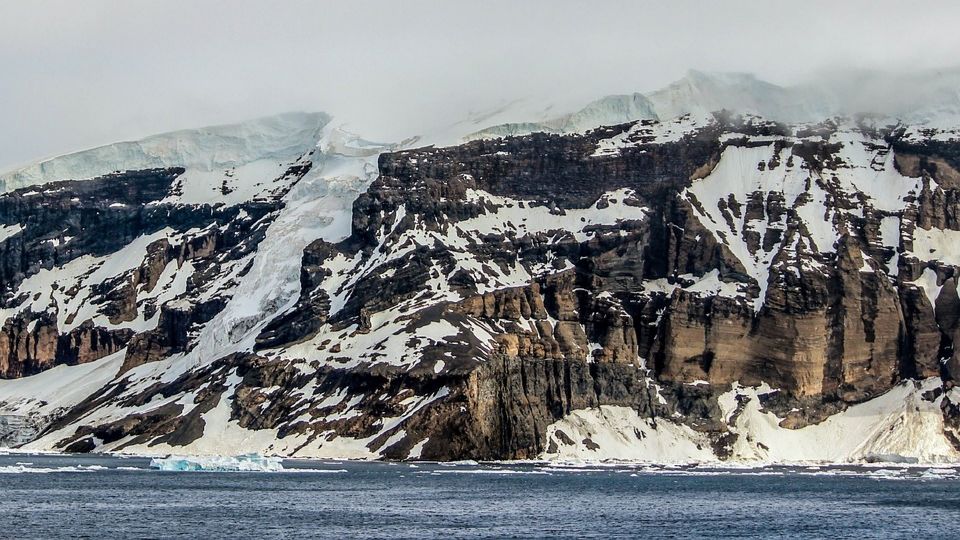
[82,74]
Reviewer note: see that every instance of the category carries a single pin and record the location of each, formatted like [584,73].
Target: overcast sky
[76,74]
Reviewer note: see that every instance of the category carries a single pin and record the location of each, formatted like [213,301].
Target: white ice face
[242,153]
[241,463]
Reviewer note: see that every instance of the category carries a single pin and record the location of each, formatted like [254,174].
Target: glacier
[216,148]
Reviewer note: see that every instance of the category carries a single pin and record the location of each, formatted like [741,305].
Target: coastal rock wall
[680,282]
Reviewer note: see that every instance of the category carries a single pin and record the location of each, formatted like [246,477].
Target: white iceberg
[242,463]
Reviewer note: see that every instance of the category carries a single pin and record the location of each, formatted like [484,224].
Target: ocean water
[111,497]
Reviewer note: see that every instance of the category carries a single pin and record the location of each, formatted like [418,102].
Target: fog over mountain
[104,72]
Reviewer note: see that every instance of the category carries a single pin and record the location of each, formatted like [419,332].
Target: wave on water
[29,468]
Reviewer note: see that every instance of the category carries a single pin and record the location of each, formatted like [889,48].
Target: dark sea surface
[112,497]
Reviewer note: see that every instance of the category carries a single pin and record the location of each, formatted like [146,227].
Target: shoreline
[600,464]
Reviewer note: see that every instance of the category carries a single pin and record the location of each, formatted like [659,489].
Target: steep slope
[713,286]
[486,298]
[121,268]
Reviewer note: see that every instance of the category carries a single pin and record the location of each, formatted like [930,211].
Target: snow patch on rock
[898,423]
[610,432]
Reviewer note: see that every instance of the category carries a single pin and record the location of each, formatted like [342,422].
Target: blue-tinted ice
[242,463]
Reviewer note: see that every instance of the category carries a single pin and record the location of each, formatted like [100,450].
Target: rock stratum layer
[712,287]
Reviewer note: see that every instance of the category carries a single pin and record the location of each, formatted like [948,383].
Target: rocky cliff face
[89,264]
[710,287]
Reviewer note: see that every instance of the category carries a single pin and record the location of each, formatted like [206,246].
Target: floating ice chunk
[242,463]
[24,468]
[890,458]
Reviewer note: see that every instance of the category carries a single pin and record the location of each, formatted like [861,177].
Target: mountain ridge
[698,92]
[710,287]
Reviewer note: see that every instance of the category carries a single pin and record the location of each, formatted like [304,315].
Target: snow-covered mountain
[664,277]
[248,146]
[701,93]
[607,111]
[930,98]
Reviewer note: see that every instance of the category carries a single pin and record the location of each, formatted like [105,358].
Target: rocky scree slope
[710,287]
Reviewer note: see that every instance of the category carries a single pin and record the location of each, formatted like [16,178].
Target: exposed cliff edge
[712,287]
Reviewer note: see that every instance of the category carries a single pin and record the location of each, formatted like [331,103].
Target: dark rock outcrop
[490,289]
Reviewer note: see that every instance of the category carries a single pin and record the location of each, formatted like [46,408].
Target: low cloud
[80,74]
